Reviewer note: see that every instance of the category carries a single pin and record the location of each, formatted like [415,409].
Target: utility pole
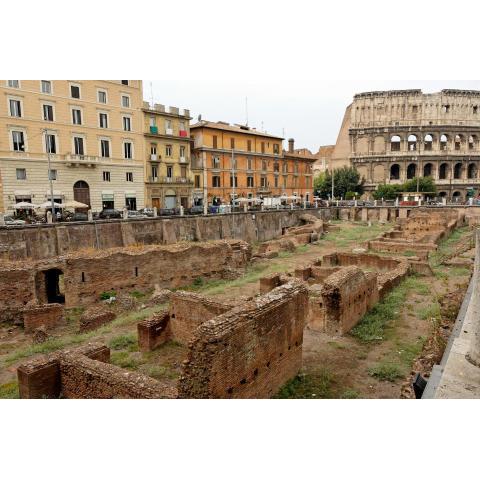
[233,194]
[333,183]
[48,146]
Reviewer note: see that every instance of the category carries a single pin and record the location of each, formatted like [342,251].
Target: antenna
[246,111]
[199,118]
[151,95]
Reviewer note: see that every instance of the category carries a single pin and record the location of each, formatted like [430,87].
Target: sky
[310,111]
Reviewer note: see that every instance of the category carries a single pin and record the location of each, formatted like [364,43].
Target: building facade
[393,136]
[238,161]
[93,130]
[168,173]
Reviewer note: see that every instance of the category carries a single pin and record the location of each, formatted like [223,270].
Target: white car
[12,221]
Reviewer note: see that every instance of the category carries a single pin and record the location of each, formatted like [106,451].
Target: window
[169,171]
[153,148]
[105,148]
[264,165]
[415,109]
[102,96]
[216,181]
[215,162]
[276,148]
[263,182]
[78,146]
[249,145]
[46,86]
[76,116]
[475,109]
[168,150]
[50,143]
[124,82]
[232,143]
[263,147]
[249,163]
[52,175]
[127,124]
[250,182]
[48,113]
[15,108]
[154,171]
[275,181]
[103,120]
[214,141]
[183,171]
[276,167]
[74,91]
[21,174]
[13,83]
[197,181]
[182,126]
[153,121]
[125,101]
[18,141]
[232,178]
[127,150]
[182,151]
[106,176]
[129,176]
[445,108]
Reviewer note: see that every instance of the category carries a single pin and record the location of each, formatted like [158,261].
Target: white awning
[26,193]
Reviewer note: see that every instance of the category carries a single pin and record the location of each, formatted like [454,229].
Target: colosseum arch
[472,171]
[458,141]
[363,171]
[379,173]
[395,142]
[457,196]
[428,170]
[395,172]
[443,172]
[362,145]
[412,143]
[472,142]
[457,171]
[379,144]
[443,142]
[428,142]
[411,171]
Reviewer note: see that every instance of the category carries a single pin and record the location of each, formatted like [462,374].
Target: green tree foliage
[347,179]
[389,192]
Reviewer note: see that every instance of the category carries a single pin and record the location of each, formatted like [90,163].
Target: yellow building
[168,175]
[94,131]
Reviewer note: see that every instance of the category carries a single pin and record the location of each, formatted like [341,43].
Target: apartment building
[168,174]
[93,130]
[237,160]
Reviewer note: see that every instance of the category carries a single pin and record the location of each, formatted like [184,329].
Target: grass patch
[349,393]
[446,247]
[136,294]
[125,360]
[107,295]
[57,343]
[336,345]
[356,234]
[385,371]
[308,385]
[123,342]
[302,249]
[430,311]
[161,372]
[9,390]
[459,271]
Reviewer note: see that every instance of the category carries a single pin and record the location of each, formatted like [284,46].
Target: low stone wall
[95,318]
[250,351]
[47,316]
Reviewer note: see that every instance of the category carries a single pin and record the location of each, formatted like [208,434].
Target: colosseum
[393,136]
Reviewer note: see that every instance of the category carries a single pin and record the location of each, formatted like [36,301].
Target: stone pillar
[291,206]
[304,204]
[444,200]
[245,207]
[2,219]
[182,211]
[205,209]
[49,217]
[472,314]
[90,216]
[375,203]
[155,212]
[316,204]
[125,213]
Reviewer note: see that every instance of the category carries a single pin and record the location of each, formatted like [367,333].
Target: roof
[300,154]
[232,128]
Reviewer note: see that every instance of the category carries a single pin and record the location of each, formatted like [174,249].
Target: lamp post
[48,147]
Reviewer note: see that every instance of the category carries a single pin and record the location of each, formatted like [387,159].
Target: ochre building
[93,130]
[393,136]
[237,160]
[168,174]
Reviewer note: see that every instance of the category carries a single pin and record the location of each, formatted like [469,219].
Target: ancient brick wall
[250,351]
[94,318]
[17,290]
[48,316]
[154,331]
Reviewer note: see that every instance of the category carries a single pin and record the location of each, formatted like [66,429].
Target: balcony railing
[153,129]
[183,160]
[183,133]
[183,180]
[169,131]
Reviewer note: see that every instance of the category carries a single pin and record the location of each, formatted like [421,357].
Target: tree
[387,192]
[425,184]
[346,179]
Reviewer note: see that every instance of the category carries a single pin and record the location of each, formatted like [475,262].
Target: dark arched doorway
[81,192]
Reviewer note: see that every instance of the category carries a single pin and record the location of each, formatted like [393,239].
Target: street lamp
[48,147]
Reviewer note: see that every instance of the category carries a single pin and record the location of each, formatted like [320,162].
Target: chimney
[291,143]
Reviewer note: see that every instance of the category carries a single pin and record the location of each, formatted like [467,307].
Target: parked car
[196,210]
[147,212]
[13,221]
[136,214]
[167,211]
[110,213]
[78,217]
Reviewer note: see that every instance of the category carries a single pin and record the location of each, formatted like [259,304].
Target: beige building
[168,174]
[323,156]
[394,136]
[94,131]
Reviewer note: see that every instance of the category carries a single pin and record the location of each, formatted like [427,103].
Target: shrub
[107,295]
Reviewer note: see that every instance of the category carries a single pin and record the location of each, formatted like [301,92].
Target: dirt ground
[340,367]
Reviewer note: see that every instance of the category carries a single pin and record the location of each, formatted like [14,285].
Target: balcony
[183,133]
[153,157]
[154,129]
[152,179]
[169,131]
[183,160]
[88,160]
[170,180]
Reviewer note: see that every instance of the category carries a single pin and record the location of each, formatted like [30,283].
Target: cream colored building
[94,130]
[168,174]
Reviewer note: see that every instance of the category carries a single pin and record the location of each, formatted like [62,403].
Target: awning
[107,195]
[24,193]
[130,195]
